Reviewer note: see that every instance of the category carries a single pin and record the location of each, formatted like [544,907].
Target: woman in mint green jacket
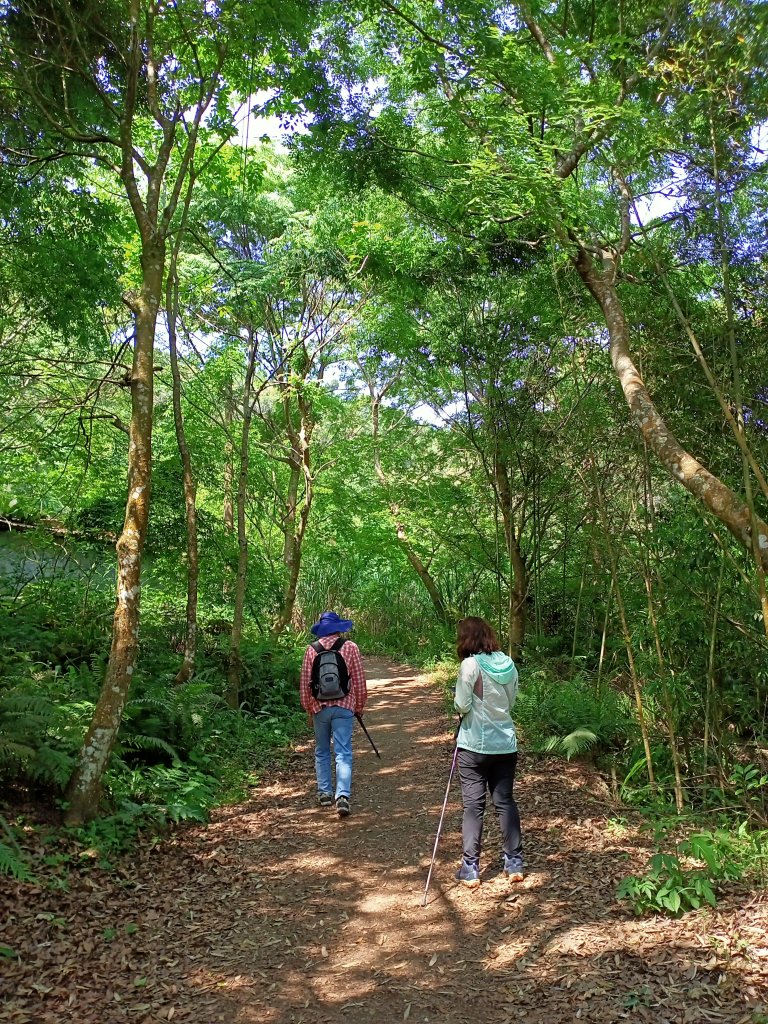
[486,690]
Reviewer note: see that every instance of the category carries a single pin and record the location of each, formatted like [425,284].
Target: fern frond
[139,742]
[551,744]
[11,858]
[16,703]
[574,743]
[11,750]
[11,863]
[146,702]
[51,765]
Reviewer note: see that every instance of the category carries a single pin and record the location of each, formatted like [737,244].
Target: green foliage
[33,737]
[422,247]
[748,784]
[12,860]
[666,887]
[180,750]
[571,717]
[12,863]
[575,743]
[686,879]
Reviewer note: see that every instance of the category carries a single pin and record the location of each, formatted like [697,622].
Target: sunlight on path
[279,913]
[338,932]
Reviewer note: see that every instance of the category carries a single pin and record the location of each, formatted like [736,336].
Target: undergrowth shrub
[686,878]
[180,750]
[666,887]
[39,734]
[571,716]
[12,859]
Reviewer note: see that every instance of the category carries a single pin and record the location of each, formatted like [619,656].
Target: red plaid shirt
[358,691]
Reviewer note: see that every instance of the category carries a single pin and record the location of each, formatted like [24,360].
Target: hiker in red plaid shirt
[334,716]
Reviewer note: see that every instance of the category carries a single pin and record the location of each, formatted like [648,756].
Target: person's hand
[310,720]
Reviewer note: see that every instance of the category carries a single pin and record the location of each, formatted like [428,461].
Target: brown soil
[279,913]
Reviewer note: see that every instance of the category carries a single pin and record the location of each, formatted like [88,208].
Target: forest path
[280,913]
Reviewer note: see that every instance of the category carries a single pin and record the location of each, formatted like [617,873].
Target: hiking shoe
[342,806]
[513,867]
[325,799]
[468,874]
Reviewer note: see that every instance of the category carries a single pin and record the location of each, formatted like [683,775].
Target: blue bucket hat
[329,623]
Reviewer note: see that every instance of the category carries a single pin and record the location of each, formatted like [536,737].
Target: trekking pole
[442,813]
[362,723]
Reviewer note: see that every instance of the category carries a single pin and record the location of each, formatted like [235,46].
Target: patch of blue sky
[671,195]
[253,124]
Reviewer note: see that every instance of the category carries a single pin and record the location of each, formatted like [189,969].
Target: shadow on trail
[279,913]
[354,942]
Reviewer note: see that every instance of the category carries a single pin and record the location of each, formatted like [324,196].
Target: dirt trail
[279,913]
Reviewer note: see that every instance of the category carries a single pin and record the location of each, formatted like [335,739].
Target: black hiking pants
[480,773]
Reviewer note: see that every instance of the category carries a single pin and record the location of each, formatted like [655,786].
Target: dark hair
[475,636]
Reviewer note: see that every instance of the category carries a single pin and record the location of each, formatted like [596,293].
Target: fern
[36,739]
[146,702]
[11,863]
[50,764]
[575,743]
[19,702]
[141,742]
[570,718]
[11,750]
[12,860]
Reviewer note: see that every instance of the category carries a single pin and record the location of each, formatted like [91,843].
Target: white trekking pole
[442,813]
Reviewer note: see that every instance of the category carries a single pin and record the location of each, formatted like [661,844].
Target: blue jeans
[336,722]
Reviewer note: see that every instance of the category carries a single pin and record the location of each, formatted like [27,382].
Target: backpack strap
[337,644]
[317,647]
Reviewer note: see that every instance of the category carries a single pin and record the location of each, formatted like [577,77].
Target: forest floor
[279,913]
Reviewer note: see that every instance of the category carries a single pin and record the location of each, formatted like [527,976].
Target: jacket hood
[498,666]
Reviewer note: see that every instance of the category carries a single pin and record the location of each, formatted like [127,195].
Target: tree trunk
[668,695]
[728,507]
[402,537]
[190,487]
[295,521]
[84,789]
[518,584]
[293,567]
[421,570]
[291,549]
[234,667]
[228,513]
[228,510]
[578,612]
[636,685]
[517,597]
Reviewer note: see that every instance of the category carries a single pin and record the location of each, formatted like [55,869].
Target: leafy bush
[749,784]
[571,716]
[180,750]
[183,751]
[177,792]
[666,887]
[36,743]
[671,885]
[12,860]
[270,675]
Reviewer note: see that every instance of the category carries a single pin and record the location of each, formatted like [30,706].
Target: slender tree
[128,89]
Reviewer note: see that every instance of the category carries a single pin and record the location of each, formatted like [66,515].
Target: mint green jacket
[486,690]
